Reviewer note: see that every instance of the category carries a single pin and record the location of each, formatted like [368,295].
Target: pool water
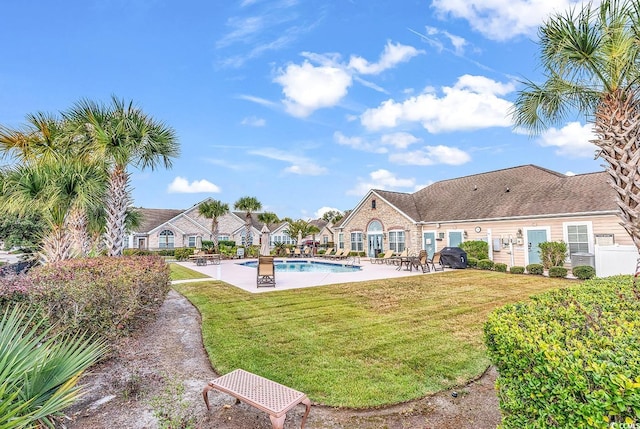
[307,267]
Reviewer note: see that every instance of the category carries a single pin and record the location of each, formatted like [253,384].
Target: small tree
[476,249]
[552,253]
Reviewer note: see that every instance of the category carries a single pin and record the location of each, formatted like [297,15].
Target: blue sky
[305,105]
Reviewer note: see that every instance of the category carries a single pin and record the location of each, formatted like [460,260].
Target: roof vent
[475,187]
[506,189]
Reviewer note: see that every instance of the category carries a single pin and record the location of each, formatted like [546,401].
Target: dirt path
[157,377]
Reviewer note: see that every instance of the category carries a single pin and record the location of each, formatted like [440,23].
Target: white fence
[614,260]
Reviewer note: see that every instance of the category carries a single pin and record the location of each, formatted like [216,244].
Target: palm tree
[590,58]
[213,209]
[268,218]
[122,136]
[248,205]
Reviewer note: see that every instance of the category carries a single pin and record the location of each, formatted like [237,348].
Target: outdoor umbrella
[299,243]
[264,245]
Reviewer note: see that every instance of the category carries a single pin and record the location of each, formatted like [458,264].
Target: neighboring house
[513,209]
[168,229]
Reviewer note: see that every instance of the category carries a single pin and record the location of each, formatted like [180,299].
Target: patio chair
[287,252]
[297,253]
[328,253]
[420,262]
[344,254]
[307,253]
[395,260]
[384,259]
[266,272]
[436,263]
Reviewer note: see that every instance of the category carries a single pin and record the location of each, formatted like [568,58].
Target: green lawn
[178,272]
[360,344]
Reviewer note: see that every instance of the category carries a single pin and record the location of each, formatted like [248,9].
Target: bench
[273,398]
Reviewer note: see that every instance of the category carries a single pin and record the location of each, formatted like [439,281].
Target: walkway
[231,271]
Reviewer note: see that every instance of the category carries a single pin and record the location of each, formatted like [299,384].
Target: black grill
[453,257]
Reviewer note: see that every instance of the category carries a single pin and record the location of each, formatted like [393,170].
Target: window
[578,238]
[244,241]
[341,240]
[165,239]
[396,241]
[283,238]
[223,237]
[373,204]
[191,241]
[356,242]
[325,239]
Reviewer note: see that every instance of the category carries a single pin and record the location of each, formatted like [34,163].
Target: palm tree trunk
[117,201]
[56,246]
[617,126]
[214,234]
[78,224]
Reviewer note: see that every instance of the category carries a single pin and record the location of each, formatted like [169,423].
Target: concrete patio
[230,271]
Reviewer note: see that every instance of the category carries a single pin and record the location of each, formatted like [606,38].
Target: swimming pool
[307,267]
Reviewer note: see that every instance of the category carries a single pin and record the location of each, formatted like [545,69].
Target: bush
[558,272]
[485,264]
[516,270]
[569,358]
[472,262]
[476,249]
[536,269]
[183,254]
[500,267]
[103,296]
[584,272]
[552,253]
[136,252]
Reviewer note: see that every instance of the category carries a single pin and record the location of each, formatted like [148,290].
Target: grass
[178,272]
[360,344]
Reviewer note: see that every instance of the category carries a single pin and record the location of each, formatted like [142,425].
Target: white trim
[590,236]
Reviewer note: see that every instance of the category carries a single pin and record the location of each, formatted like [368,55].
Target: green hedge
[584,272]
[570,358]
[516,270]
[485,264]
[500,267]
[472,262]
[536,269]
[104,296]
[558,272]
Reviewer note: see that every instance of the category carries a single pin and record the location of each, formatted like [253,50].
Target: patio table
[273,398]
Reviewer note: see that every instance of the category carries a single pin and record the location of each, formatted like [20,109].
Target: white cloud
[381,179]
[474,102]
[503,19]
[253,121]
[299,164]
[573,140]
[392,55]
[307,88]
[569,173]
[180,185]
[322,210]
[399,140]
[431,155]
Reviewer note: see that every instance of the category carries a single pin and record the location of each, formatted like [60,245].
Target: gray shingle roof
[526,190]
[152,218]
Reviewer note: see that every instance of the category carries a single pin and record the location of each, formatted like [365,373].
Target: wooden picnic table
[273,398]
[203,259]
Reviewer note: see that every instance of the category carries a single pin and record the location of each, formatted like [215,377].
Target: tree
[332,216]
[122,136]
[248,205]
[268,218]
[590,58]
[301,227]
[213,210]
[21,231]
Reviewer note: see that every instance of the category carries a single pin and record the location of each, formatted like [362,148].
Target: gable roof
[152,218]
[526,190]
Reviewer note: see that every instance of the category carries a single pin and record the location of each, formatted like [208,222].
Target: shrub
[39,371]
[485,264]
[476,249]
[536,269]
[558,272]
[183,254]
[569,358]
[103,296]
[136,252]
[472,262]
[552,253]
[516,270]
[500,267]
[584,272]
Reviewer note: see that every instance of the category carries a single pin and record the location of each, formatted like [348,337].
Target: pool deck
[231,271]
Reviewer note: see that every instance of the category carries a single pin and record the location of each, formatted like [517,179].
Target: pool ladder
[351,261]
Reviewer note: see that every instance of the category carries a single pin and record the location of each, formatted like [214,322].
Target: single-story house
[513,209]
